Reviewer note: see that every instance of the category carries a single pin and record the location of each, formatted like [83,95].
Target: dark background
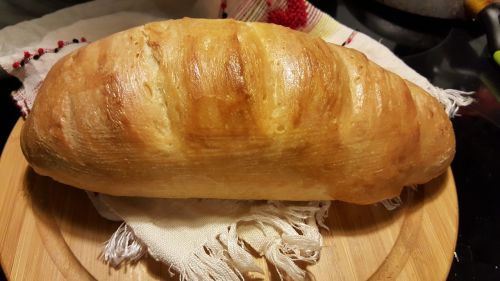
[451,54]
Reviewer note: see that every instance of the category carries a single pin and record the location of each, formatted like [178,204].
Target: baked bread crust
[196,108]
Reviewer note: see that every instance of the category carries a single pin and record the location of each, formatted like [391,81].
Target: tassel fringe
[226,257]
[392,204]
[451,99]
[122,246]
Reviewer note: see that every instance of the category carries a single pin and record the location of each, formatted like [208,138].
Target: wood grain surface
[49,231]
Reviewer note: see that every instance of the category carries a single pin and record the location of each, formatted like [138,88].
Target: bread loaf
[198,108]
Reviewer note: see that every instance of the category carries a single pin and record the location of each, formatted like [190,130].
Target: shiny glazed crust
[225,109]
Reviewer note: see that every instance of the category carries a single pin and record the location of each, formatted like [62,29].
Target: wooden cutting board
[51,231]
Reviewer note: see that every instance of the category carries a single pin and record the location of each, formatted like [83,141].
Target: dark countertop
[451,54]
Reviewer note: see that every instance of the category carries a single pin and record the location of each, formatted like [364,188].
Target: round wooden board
[50,231]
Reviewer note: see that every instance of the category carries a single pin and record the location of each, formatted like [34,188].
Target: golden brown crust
[225,109]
